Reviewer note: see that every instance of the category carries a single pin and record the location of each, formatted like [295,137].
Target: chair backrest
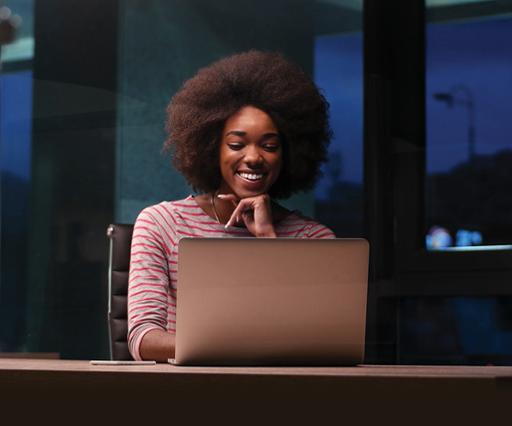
[120,237]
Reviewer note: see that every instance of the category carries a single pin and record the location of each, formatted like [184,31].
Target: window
[15,171]
[89,98]
[469,152]
[339,72]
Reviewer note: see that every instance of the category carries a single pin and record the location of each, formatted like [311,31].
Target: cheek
[227,159]
[223,155]
[277,165]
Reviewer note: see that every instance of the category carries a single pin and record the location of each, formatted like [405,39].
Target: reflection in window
[22,48]
[469,152]
[15,168]
[84,138]
[456,330]
[15,158]
[338,71]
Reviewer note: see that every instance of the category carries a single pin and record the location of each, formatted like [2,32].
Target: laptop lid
[257,301]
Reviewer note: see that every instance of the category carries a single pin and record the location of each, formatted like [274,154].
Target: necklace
[212,199]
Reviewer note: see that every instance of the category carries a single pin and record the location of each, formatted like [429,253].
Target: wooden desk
[387,394]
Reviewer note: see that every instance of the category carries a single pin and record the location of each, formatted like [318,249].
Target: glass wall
[15,168]
[82,126]
[469,151]
[468,80]
[339,71]
[324,37]
[20,50]
[456,330]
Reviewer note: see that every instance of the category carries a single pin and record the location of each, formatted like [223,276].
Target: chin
[247,194]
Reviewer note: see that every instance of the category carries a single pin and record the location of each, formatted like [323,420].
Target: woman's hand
[254,212]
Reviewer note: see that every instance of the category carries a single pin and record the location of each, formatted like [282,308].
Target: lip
[251,183]
[240,172]
[255,172]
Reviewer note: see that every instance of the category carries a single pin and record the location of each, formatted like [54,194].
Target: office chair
[120,237]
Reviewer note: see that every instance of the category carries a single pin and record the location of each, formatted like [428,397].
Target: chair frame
[118,248]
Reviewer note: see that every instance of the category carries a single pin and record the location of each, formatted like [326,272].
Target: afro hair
[266,80]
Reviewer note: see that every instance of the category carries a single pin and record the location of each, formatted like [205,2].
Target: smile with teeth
[252,177]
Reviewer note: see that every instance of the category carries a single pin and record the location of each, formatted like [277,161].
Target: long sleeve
[148,288]
[317,230]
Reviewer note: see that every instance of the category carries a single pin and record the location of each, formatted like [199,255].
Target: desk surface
[369,394]
[404,371]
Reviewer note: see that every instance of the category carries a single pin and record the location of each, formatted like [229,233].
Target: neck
[221,209]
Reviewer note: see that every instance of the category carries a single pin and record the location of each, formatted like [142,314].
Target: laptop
[276,301]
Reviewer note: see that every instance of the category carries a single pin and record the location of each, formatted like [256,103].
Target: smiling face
[250,153]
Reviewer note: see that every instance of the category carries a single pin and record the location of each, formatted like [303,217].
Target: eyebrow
[242,133]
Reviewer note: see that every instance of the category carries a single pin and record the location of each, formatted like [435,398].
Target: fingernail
[221,195]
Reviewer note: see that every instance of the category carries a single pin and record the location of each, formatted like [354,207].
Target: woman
[245,130]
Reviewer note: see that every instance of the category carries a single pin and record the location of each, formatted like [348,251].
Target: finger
[237,213]
[247,217]
[229,197]
[234,218]
[262,212]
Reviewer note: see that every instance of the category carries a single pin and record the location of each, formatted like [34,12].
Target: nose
[253,157]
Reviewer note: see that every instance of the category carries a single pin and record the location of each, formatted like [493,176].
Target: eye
[235,146]
[271,147]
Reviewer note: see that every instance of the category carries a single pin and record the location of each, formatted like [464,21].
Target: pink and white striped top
[154,259]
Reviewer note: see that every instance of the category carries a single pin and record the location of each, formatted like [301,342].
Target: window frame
[395,167]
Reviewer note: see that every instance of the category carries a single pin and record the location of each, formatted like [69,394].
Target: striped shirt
[154,259]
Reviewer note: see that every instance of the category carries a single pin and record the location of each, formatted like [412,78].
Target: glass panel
[339,71]
[82,126]
[15,174]
[324,37]
[21,14]
[16,46]
[468,110]
[455,330]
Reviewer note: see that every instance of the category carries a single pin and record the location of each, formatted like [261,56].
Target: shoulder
[188,204]
[165,216]
[161,222]
[309,228]
[158,213]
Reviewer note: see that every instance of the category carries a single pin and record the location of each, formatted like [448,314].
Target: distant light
[438,238]
[496,247]
[465,238]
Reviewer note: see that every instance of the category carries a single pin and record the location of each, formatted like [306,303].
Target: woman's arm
[318,231]
[157,345]
[148,288]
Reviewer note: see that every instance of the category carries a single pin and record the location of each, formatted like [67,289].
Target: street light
[461,95]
